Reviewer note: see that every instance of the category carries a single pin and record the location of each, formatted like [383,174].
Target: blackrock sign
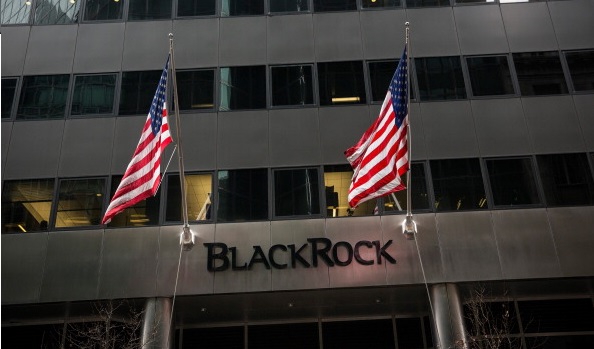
[222,257]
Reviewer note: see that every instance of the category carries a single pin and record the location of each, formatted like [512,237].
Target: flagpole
[409,227]
[186,238]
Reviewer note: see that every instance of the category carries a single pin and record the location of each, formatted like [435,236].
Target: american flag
[380,158]
[143,175]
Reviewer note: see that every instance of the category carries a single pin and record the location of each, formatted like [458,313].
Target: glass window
[149,9]
[138,90]
[410,333]
[243,195]
[556,342]
[297,335]
[213,338]
[189,8]
[56,11]
[581,68]
[427,3]
[292,85]
[43,97]
[440,78]
[341,83]
[397,202]
[8,92]
[103,10]
[380,75]
[377,334]
[380,3]
[337,181]
[195,89]
[458,185]
[145,212]
[198,196]
[540,73]
[490,76]
[26,205]
[93,94]
[36,336]
[475,1]
[15,12]
[80,202]
[557,315]
[242,7]
[289,5]
[243,88]
[334,5]
[567,179]
[296,192]
[512,182]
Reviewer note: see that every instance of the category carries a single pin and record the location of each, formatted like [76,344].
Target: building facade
[270,95]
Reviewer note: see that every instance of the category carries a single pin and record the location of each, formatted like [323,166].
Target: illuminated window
[296,192]
[138,90]
[458,185]
[567,179]
[26,205]
[190,8]
[43,97]
[198,196]
[103,10]
[149,10]
[341,83]
[80,202]
[243,88]
[581,67]
[195,89]
[145,212]
[512,182]
[93,94]
[8,92]
[440,78]
[15,12]
[243,195]
[540,73]
[490,76]
[289,5]
[242,7]
[337,180]
[292,85]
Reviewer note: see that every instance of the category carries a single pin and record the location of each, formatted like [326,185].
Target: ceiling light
[345,99]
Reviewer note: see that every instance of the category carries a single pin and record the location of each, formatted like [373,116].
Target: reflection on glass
[458,185]
[80,202]
[337,180]
[512,182]
[397,202]
[490,76]
[289,5]
[149,9]
[296,192]
[243,195]
[14,12]
[145,212]
[440,78]
[138,90]
[581,67]
[243,88]
[43,97]
[93,94]
[292,85]
[242,7]
[56,11]
[566,179]
[195,89]
[198,196]
[189,8]
[103,10]
[341,83]
[26,205]
[8,91]
[540,73]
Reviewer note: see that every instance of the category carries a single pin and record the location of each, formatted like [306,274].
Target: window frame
[123,18]
[563,71]
[29,20]
[213,197]
[15,97]
[314,87]
[34,4]
[219,81]
[468,77]
[115,102]
[171,16]
[56,201]
[21,95]
[273,193]
[463,78]
[535,177]
[363,85]
[217,11]
[567,70]
[215,83]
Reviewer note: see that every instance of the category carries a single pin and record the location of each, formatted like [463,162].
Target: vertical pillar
[156,326]
[448,319]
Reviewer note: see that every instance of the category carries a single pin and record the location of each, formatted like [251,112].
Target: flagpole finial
[405,23]
[171,35]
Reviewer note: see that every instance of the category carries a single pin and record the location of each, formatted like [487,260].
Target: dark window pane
[409,333]
[474,1]
[296,192]
[8,91]
[39,336]
[490,76]
[397,202]
[56,11]
[80,202]
[440,78]
[14,12]
[427,3]
[485,318]
[566,179]
[540,73]
[337,180]
[198,197]
[213,338]
[103,10]
[43,97]
[196,8]
[512,182]
[341,83]
[292,85]
[138,90]
[242,7]
[581,68]
[458,185]
[287,336]
[560,315]
[289,5]
[380,3]
[561,342]
[377,334]
[195,89]
[146,212]
[149,9]
[243,88]
[334,5]
[243,195]
[380,74]
[93,94]
[26,205]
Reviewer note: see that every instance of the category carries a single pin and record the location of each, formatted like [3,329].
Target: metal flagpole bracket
[409,228]
[187,238]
